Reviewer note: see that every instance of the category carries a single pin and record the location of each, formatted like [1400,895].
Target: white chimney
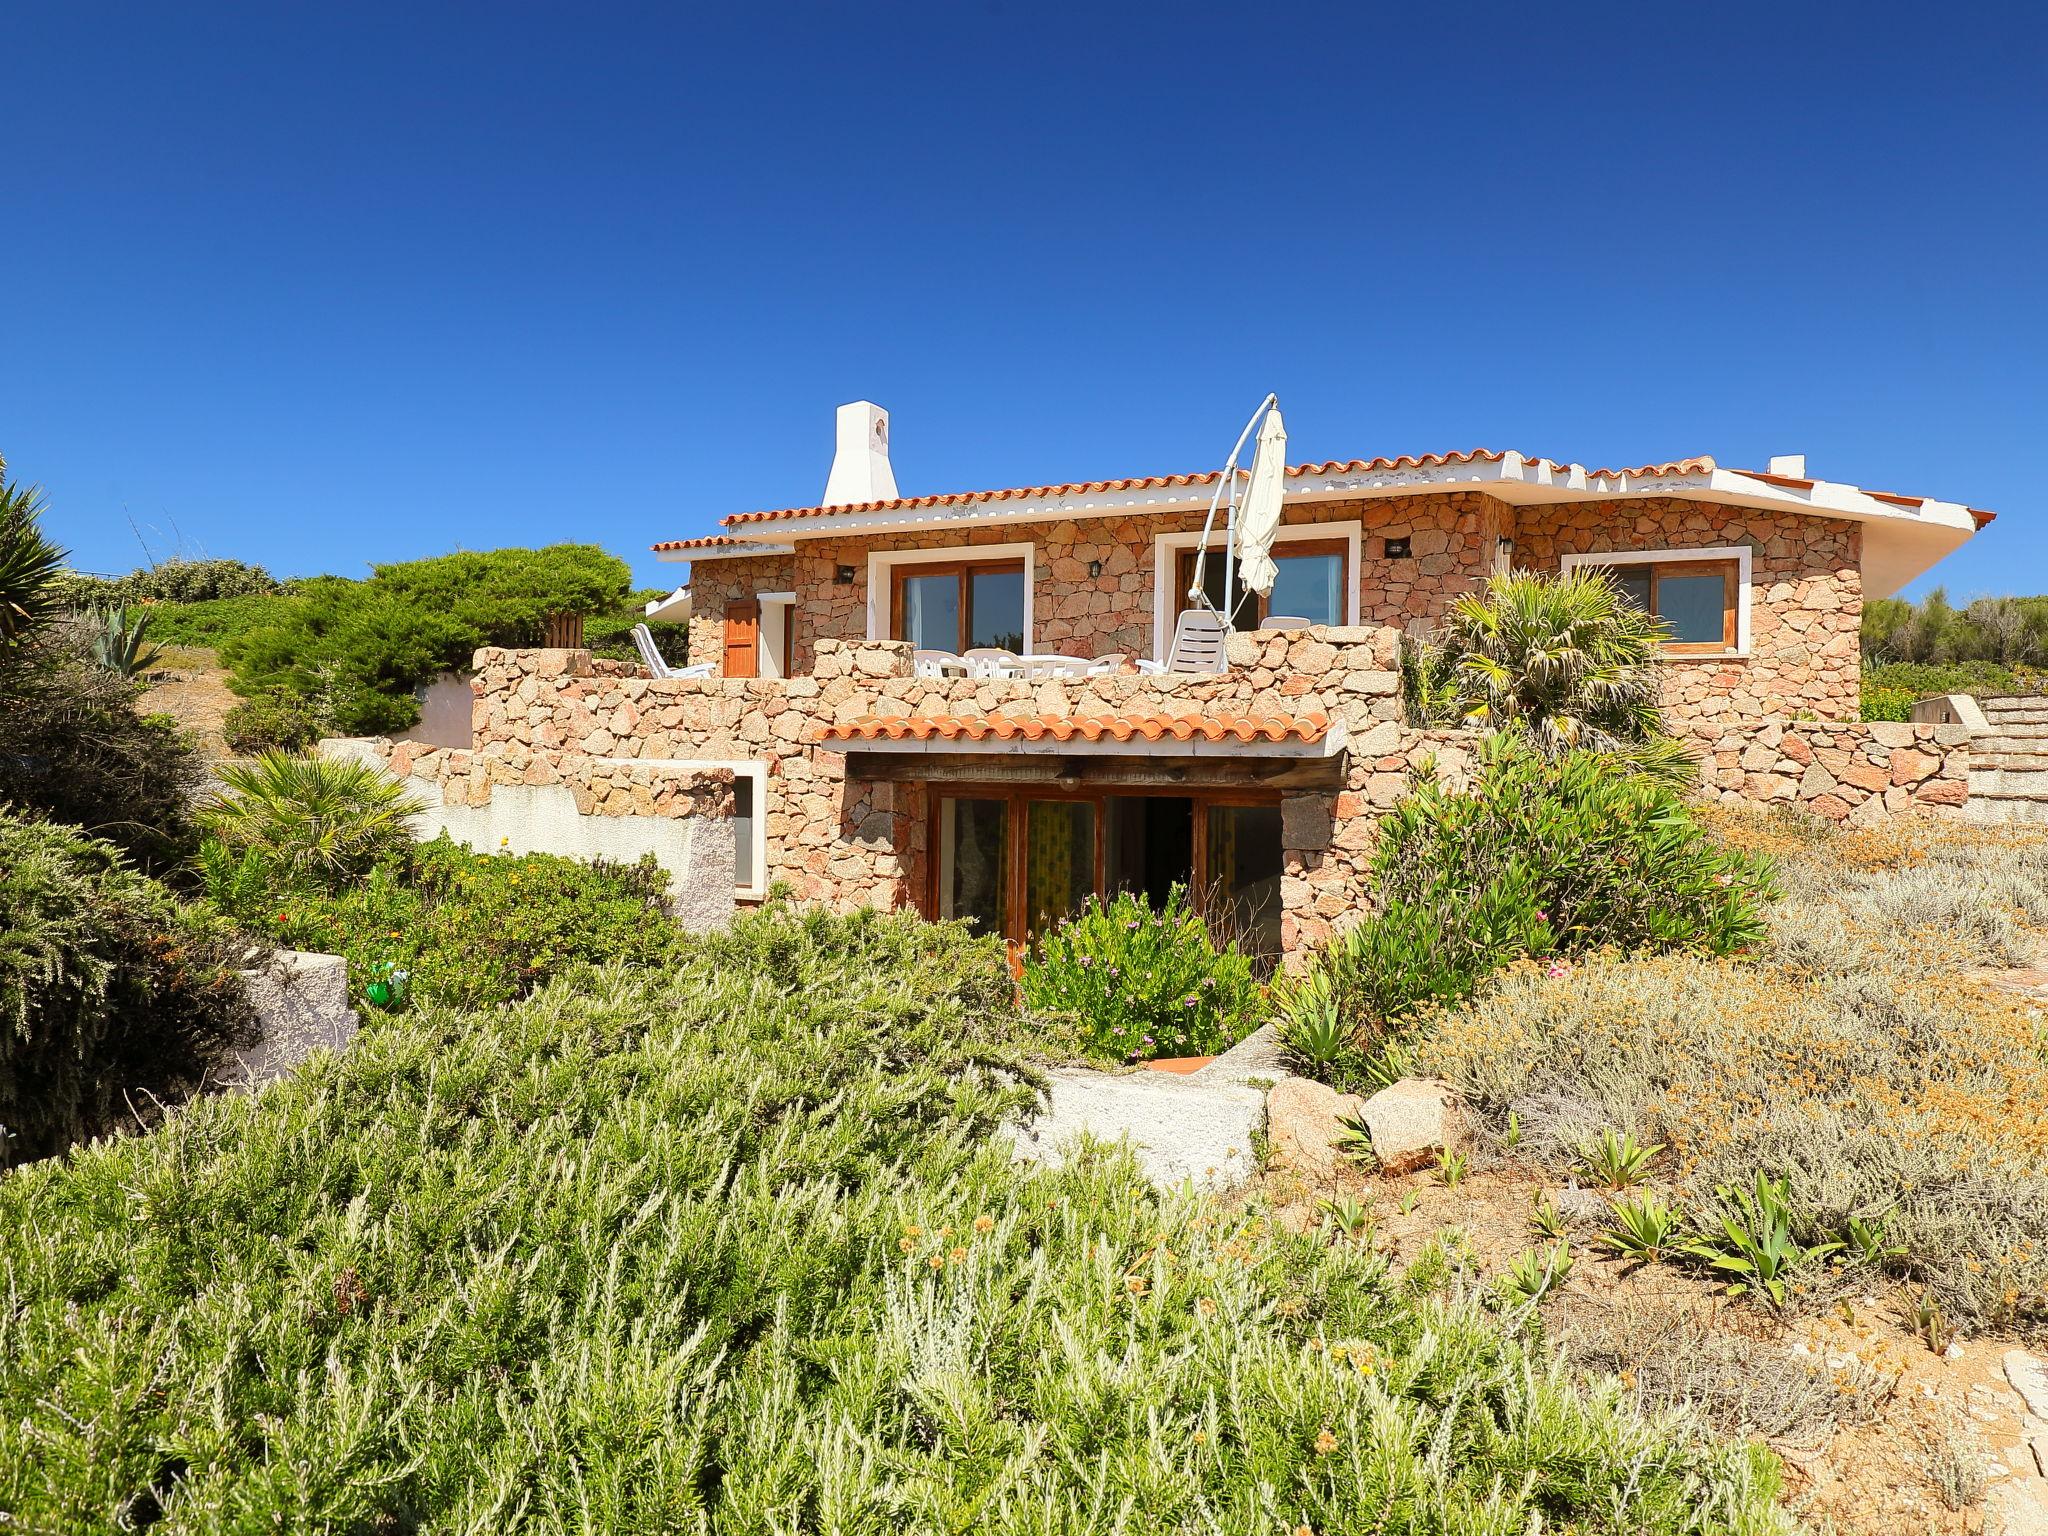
[860,465]
[1791,465]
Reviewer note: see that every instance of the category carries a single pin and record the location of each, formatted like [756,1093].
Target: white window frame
[757,771]
[882,565]
[1739,553]
[1166,547]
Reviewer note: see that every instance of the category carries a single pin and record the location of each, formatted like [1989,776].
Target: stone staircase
[2009,763]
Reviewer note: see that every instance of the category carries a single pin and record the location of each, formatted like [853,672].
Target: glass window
[973,872]
[959,606]
[1059,861]
[1696,598]
[743,872]
[1309,586]
[1244,874]
[930,609]
[995,608]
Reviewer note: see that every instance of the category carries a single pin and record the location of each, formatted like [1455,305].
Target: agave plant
[323,820]
[120,641]
[1567,661]
[29,563]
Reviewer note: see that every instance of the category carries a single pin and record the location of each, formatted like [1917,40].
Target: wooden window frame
[963,571]
[1017,798]
[1290,549]
[1736,591]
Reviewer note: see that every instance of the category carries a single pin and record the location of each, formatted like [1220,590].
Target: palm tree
[29,563]
[1568,661]
[321,819]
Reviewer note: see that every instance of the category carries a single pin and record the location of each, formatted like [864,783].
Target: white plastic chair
[992,661]
[643,642]
[1102,666]
[936,664]
[1283,621]
[1198,637]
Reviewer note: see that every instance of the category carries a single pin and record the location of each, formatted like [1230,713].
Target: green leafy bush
[113,995]
[1882,703]
[1137,983]
[271,722]
[357,649]
[218,620]
[317,821]
[472,929]
[1545,858]
[732,1249]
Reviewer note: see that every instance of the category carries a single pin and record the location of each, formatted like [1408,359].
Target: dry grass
[1864,1056]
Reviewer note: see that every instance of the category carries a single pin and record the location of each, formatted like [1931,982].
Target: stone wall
[1805,612]
[1452,538]
[1847,772]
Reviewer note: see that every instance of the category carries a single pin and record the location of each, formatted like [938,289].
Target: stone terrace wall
[1854,773]
[849,842]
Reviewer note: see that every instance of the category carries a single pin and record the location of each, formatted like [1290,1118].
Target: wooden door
[743,638]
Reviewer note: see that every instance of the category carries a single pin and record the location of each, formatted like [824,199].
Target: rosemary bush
[732,1250]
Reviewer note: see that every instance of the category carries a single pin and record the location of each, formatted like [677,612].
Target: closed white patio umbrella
[1258,517]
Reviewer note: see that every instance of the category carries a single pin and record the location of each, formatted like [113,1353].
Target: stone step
[1991,808]
[2010,741]
[2007,785]
[2027,759]
[2015,707]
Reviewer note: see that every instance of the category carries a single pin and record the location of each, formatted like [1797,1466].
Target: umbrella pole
[1228,484]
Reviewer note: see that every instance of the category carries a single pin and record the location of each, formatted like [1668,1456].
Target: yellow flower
[1200,1438]
[959,1255]
[906,1245]
[912,1229]
[984,1223]
[1325,1443]
[1135,1285]
[1206,1305]
[937,1262]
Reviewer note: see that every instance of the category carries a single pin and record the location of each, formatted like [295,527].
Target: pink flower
[1557,970]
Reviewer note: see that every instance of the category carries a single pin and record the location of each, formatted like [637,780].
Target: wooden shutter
[743,638]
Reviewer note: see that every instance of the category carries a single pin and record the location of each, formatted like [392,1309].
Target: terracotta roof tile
[1119,727]
[1699,464]
[715,541]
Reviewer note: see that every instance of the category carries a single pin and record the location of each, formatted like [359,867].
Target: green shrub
[1881,703]
[30,564]
[471,929]
[113,996]
[1542,858]
[357,649]
[272,722]
[119,640]
[611,635]
[1137,983]
[317,821]
[217,621]
[731,1250]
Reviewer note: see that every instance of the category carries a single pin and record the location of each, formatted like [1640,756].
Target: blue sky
[318,286]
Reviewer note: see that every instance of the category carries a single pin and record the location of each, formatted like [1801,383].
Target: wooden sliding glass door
[1017,861]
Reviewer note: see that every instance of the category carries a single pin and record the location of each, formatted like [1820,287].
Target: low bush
[218,620]
[1135,983]
[113,995]
[271,722]
[731,1250]
[1538,858]
[1851,1059]
[471,929]
[611,636]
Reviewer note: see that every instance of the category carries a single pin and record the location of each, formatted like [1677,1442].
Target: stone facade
[1805,607]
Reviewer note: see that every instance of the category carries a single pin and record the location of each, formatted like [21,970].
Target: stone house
[1008,801]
